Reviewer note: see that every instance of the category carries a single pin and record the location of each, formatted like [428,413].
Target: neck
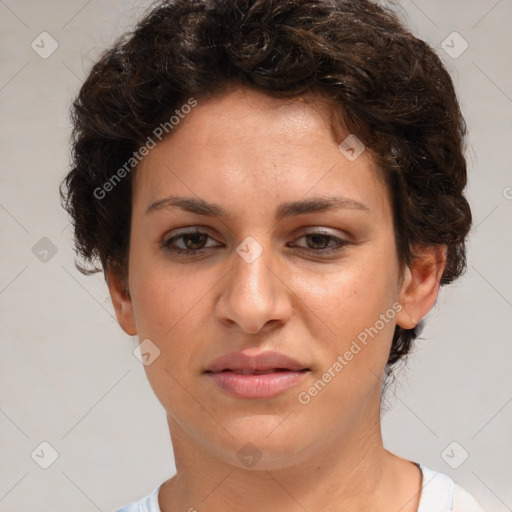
[351,472]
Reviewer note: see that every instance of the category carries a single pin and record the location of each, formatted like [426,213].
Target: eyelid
[319,230]
[314,230]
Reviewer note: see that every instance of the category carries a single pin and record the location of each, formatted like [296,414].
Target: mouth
[263,375]
[246,371]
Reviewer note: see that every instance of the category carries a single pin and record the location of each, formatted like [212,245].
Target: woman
[274,192]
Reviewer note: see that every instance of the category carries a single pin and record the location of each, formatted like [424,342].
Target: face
[267,270]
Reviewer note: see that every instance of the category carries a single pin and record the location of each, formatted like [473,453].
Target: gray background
[67,372]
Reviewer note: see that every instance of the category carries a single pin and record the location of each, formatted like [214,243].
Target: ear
[420,285]
[121,301]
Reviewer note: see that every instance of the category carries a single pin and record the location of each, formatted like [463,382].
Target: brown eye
[193,242]
[318,240]
[322,242]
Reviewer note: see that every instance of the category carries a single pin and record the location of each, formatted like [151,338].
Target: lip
[260,375]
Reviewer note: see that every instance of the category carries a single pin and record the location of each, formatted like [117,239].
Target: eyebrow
[285,210]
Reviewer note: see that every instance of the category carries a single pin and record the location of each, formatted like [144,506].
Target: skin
[249,153]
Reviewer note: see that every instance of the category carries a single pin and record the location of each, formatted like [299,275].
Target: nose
[255,296]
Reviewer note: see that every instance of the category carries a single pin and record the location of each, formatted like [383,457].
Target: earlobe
[420,285]
[121,301]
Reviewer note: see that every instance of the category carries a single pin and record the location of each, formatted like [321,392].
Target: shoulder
[440,493]
[147,504]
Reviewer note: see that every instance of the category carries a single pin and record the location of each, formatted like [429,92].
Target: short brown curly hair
[391,89]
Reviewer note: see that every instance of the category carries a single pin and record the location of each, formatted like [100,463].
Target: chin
[265,443]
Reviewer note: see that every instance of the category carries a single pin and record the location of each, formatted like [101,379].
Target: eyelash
[166,243]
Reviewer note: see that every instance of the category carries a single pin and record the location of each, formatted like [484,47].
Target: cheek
[161,294]
[172,308]
[351,298]
[168,312]
[356,305]
[358,308]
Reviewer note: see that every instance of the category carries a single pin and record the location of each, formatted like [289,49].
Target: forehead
[290,118]
[244,140]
